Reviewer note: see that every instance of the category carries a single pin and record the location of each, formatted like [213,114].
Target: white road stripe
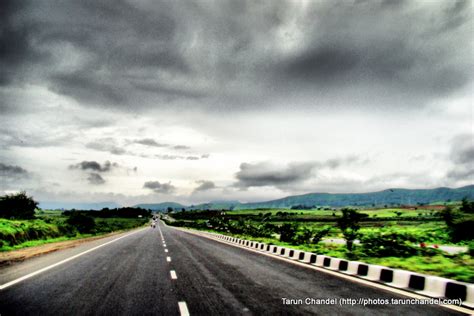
[4,286]
[166,250]
[183,309]
[164,245]
[161,233]
[173,275]
[168,259]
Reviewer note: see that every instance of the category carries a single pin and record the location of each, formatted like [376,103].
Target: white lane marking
[164,245]
[8,284]
[173,275]
[161,233]
[334,273]
[183,309]
[166,250]
[168,259]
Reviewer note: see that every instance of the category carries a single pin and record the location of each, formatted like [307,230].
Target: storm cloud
[157,187]
[204,185]
[11,171]
[95,166]
[267,174]
[173,53]
[262,96]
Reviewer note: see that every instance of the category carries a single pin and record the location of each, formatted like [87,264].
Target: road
[140,274]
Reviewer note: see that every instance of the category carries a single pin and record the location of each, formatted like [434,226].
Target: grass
[458,267]
[17,234]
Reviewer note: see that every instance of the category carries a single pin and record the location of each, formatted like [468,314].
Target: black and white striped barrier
[427,285]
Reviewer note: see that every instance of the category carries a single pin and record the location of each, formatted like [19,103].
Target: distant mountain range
[386,197]
[78,206]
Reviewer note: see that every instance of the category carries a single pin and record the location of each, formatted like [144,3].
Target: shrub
[302,236]
[287,232]
[83,223]
[389,243]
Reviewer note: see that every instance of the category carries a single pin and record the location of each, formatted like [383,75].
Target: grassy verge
[17,234]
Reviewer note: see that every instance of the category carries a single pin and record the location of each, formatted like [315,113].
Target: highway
[165,271]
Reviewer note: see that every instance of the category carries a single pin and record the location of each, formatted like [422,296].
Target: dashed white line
[4,286]
[164,245]
[166,250]
[183,309]
[168,259]
[173,275]
[161,233]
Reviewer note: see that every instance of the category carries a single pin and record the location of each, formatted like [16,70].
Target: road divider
[426,285]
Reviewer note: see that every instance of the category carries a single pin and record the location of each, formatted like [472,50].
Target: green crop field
[404,238]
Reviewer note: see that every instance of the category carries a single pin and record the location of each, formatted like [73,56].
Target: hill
[161,206]
[385,197]
[76,205]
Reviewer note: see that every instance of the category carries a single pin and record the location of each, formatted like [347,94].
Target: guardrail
[426,285]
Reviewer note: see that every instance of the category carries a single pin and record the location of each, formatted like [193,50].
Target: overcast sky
[193,101]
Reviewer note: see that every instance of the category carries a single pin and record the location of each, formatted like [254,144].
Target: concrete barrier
[323,261]
[374,272]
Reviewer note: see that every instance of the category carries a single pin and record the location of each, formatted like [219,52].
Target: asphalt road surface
[140,274]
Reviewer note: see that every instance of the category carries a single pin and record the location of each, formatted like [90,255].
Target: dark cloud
[95,166]
[462,157]
[150,142]
[95,178]
[204,185]
[234,53]
[11,171]
[157,187]
[267,174]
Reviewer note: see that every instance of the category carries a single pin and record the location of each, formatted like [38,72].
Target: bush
[302,237]
[83,223]
[18,206]
[287,232]
[389,243]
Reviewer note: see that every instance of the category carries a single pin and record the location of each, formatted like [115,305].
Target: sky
[197,101]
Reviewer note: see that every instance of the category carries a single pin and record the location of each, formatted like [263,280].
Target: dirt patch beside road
[25,253]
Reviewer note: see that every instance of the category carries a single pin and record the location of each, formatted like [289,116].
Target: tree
[17,205]
[288,232]
[466,206]
[349,225]
[83,223]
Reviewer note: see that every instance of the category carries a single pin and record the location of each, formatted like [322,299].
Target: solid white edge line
[8,284]
[462,309]
[183,309]
[168,259]
[173,275]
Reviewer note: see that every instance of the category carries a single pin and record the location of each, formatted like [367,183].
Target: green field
[404,232]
